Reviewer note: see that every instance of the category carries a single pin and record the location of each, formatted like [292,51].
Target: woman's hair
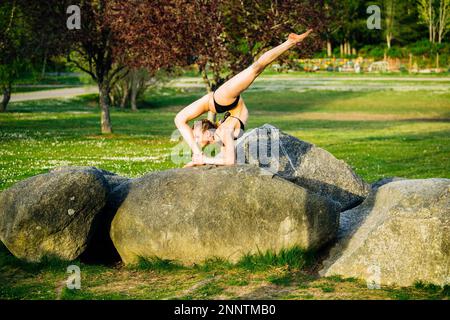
[205,125]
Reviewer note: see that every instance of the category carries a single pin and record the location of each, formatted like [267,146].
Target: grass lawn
[379,133]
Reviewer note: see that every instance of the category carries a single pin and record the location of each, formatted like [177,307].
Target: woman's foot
[297,38]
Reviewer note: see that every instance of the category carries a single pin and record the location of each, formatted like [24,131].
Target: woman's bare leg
[228,92]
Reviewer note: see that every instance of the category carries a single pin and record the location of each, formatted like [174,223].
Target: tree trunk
[341,49]
[410,64]
[388,40]
[206,80]
[125,95]
[44,65]
[211,115]
[112,100]
[329,49]
[134,89]
[6,97]
[133,99]
[104,106]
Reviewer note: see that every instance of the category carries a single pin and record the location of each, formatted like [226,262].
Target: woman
[226,99]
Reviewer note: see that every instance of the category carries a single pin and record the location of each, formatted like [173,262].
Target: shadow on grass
[50,263]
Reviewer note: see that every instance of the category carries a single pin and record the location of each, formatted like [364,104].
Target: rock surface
[193,214]
[303,163]
[51,215]
[384,181]
[100,248]
[399,235]
[113,180]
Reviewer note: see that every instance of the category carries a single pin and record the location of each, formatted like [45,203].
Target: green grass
[209,290]
[294,258]
[326,287]
[20,280]
[36,136]
[280,280]
[379,133]
[156,264]
[432,288]
[237,282]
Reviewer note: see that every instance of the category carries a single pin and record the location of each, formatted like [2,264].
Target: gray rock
[192,214]
[384,181]
[399,235]
[100,248]
[302,163]
[52,214]
[113,180]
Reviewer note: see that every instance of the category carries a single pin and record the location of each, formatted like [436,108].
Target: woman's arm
[192,111]
[228,156]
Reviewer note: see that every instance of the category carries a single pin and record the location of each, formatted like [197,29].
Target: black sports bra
[242,129]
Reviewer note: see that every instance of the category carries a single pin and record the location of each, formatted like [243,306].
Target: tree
[18,48]
[436,15]
[399,18]
[10,42]
[164,34]
[210,48]
[153,34]
[334,15]
[390,10]
[443,19]
[134,84]
[89,48]
[92,50]
[253,26]
[427,15]
[352,11]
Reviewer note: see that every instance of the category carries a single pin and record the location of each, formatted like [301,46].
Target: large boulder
[52,215]
[100,248]
[303,163]
[113,180]
[193,214]
[377,184]
[399,235]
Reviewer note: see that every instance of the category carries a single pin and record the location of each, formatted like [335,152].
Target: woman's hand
[297,38]
[198,159]
[227,156]
[189,165]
